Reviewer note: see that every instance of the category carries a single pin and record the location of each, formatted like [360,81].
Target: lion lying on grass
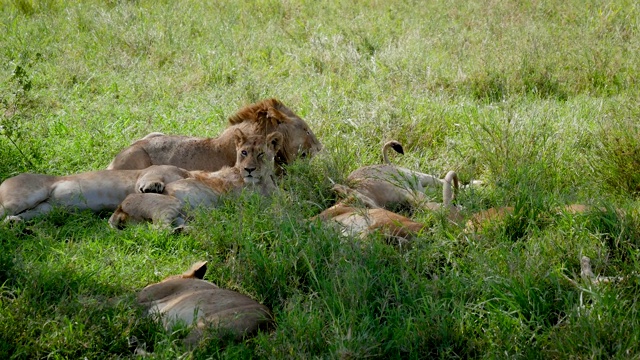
[188,300]
[363,221]
[253,170]
[211,154]
[358,221]
[388,185]
[25,196]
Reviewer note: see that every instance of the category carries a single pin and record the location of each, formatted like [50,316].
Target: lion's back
[191,153]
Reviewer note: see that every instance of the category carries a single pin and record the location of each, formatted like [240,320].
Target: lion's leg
[40,209]
[150,183]
[154,179]
[163,210]
[169,215]
[24,192]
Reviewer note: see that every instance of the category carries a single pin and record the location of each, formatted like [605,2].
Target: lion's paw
[13,219]
[182,230]
[151,187]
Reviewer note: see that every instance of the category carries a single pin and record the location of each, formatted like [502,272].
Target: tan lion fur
[253,170]
[190,301]
[388,185]
[211,154]
[25,196]
[361,222]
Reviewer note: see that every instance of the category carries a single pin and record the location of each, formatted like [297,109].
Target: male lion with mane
[211,154]
[253,170]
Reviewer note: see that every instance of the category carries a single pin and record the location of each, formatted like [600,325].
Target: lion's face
[255,155]
[269,115]
[303,142]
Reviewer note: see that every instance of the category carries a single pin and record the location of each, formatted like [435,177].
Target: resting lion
[253,170]
[211,154]
[25,196]
[190,301]
[363,221]
[387,185]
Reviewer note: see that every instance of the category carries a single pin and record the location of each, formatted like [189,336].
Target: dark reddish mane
[257,112]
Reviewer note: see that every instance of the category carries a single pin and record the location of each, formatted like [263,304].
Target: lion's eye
[243,152]
[260,156]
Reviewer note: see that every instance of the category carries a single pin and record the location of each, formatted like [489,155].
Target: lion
[190,301]
[254,170]
[388,185]
[211,154]
[27,195]
[363,221]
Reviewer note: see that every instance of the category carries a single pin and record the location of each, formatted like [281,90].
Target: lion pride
[253,171]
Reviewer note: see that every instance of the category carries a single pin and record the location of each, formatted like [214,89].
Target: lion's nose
[249,170]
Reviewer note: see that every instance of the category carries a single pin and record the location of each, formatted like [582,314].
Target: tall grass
[538,99]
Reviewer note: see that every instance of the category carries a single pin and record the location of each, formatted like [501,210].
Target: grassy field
[539,99]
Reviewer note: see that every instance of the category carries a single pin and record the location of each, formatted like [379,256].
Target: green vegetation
[539,99]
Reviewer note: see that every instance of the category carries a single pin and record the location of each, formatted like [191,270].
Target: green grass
[537,98]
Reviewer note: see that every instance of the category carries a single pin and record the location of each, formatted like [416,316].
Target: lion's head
[271,115]
[255,154]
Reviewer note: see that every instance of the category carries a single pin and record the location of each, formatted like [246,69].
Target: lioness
[188,300]
[362,221]
[211,154]
[388,185]
[253,170]
[25,196]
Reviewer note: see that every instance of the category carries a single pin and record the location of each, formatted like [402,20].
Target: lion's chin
[251,180]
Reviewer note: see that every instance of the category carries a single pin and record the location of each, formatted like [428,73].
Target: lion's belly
[180,308]
[353,223]
[96,194]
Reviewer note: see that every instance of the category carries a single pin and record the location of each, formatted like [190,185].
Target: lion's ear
[197,270]
[277,117]
[275,140]
[239,137]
